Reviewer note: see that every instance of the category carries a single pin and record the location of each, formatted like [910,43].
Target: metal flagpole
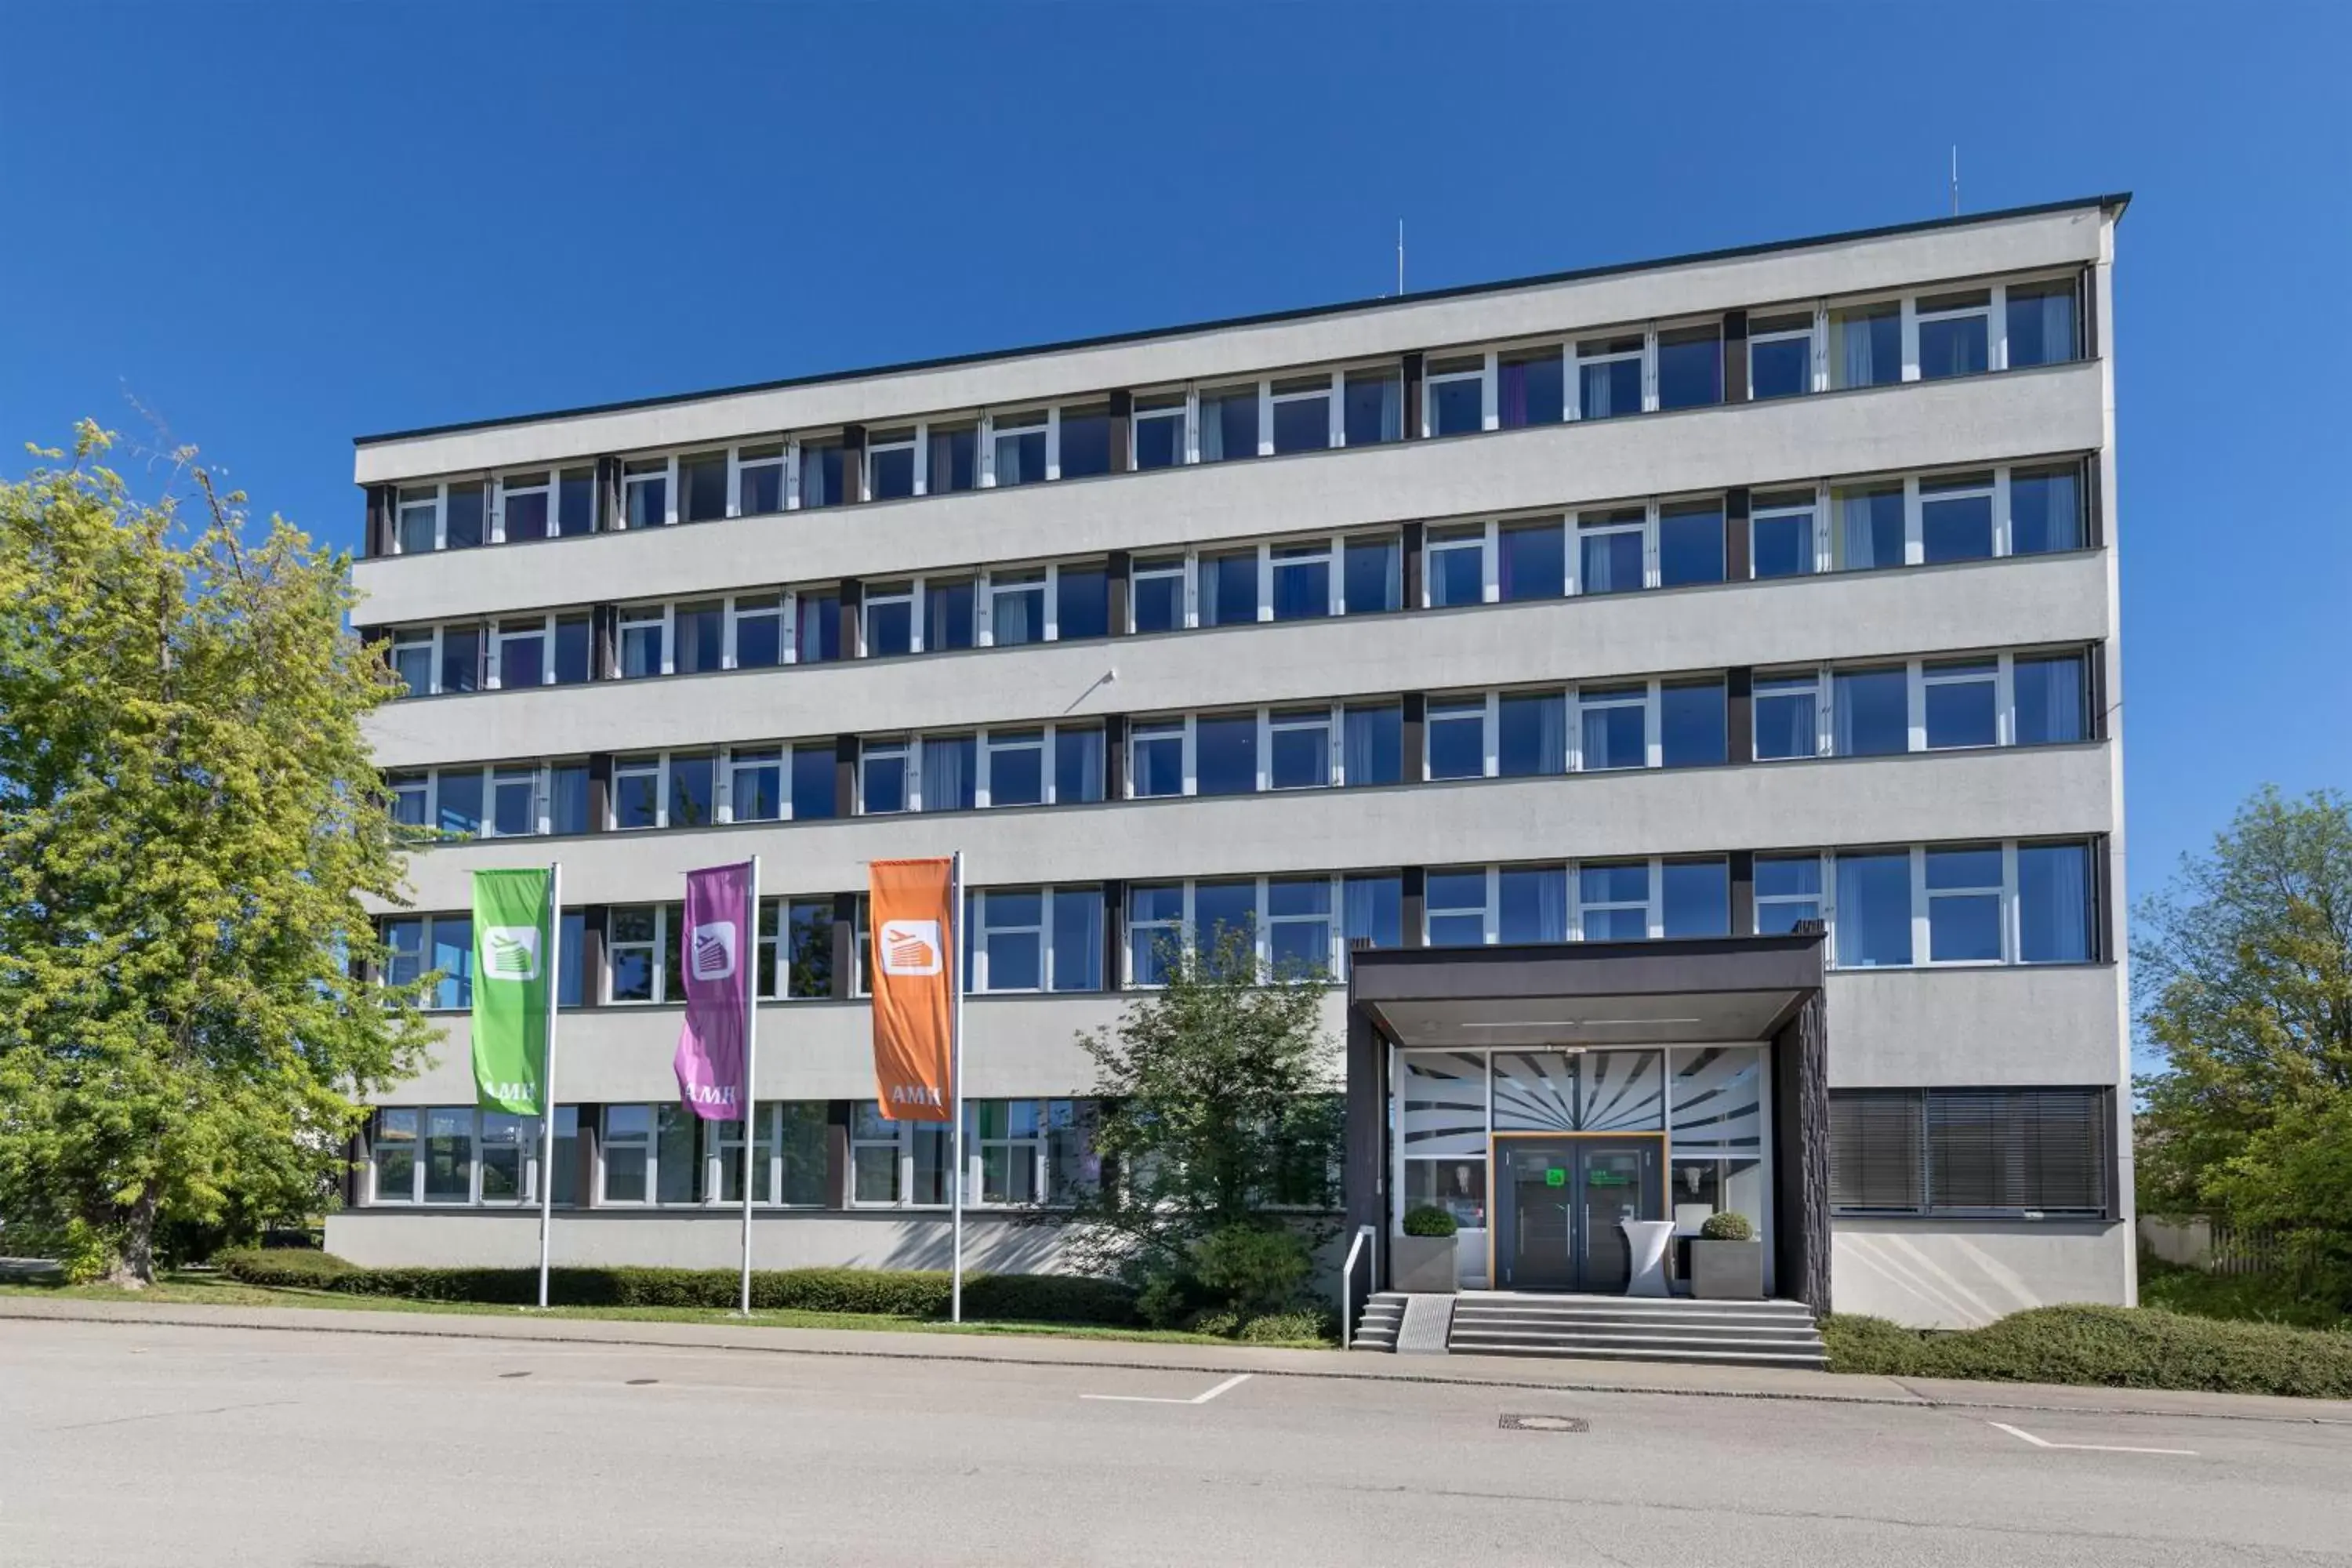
[955,1075]
[552,979]
[750,948]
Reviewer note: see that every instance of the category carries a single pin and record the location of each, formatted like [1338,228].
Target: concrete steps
[1617,1328]
[1377,1329]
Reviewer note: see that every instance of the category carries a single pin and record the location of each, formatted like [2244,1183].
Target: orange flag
[914,956]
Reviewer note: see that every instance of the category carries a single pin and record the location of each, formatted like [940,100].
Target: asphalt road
[192,1447]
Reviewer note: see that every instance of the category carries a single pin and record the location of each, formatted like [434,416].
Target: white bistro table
[1645,1244]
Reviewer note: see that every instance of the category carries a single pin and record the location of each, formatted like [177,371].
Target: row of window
[2028,1152]
[2010,901]
[2020,510]
[1017,1151]
[1789,352]
[1916,705]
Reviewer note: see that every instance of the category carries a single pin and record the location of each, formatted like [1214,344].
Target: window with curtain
[1531,560]
[1225,755]
[1375,406]
[948,778]
[1078,765]
[1372,909]
[1610,554]
[1871,712]
[1613,900]
[1532,903]
[1371,745]
[2041,324]
[816,627]
[1373,574]
[1780,535]
[1690,367]
[1614,727]
[1532,736]
[1016,608]
[1529,388]
[1866,346]
[2052,708]
[1869,532]
[2054,907]
[1873,924]
[948,614]
[2046,509]
[1608,377]
[1954,334]
[1020,442]
[1692,724]
[952,462]
[1229,423]
[1788,718]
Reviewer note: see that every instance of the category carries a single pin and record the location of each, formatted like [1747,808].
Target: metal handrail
[1364,1233]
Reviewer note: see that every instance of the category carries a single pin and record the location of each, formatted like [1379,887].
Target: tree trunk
[134,1267]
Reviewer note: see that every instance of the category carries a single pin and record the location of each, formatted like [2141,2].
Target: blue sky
[278,227]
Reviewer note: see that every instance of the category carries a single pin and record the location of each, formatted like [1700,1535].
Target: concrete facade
[2010,1025]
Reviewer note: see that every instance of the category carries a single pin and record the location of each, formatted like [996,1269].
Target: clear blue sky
[278,227]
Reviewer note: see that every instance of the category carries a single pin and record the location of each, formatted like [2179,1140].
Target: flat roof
[2118,200]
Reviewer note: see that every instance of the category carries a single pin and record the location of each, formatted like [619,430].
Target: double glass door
[1558,1203]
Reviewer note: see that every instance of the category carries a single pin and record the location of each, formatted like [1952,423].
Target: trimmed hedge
[890,1293]
[2117,1347]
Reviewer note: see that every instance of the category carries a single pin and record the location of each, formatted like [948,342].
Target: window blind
[1968,1150]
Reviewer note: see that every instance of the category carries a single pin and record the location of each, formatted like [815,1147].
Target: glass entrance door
[1557,1204]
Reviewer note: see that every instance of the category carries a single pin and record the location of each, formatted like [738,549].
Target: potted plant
[1727,1261]
[1421,1261]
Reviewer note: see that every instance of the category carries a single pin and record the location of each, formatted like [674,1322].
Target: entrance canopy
[1703,991]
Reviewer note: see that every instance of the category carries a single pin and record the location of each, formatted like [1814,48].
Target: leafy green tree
[2245,976]
[1220,1132]
[188,821]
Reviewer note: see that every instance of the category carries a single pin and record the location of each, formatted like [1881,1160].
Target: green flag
[514,965]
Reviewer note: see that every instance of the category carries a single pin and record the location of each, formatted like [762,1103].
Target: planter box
[1422,1265]
[1726,1270]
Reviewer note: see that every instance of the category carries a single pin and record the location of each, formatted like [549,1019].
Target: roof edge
[2115,201]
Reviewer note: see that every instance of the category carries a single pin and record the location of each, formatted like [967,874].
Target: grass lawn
[196,1288]
[2246,1298]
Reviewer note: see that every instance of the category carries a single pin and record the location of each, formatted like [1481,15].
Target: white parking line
[1234,1381]
[2085,1447]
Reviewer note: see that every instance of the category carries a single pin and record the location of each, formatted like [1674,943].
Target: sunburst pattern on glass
[1444,1095]
[1718,1093]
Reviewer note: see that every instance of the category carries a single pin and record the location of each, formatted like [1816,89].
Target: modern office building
[1696,684]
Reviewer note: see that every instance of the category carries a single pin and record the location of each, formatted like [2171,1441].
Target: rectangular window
[759,479]
[1532,903]
[632,952]
[813,791]
[1690,542]
[1157,587]
[1614,727]
[1964,900]
[514,802]
[411,797]
[523,506]
[1613,901]
[1787,716]
[1456,907]
[875,1175]
[464,512]
[952,464]
[1223,911]
[882,777]
[1159,431]
[1009,1144]
[1871,712]
[1019,441]
[1372,910]
[1531,734]
[1375,407]
[702,486]
[816,626]
[1869,527]
[392,1150]
[1011,940]
[412,660]
[625,1152]
[1229,423]
[1695,897]
[950,778]
[693,800]
[574,640]
[1453,396]
[889,609]
[1866,346]
[1302,413]
[461,659]
[1372,743]
[1780,535]
[644,492]
[1956,518]
[1457,566]
[950,614]
[1954,334]
[458,801]
[449,1154]
[1078,765]
[1302,581]
[821,474]
[1457,739]
[1229,587]
[2054,907]
[1016,608]
[1298,925]
[2028,1151]
[450,951]
[1963,702]
[1530,388]
[2051,699]
[1873,924]
[1876,1151]
[700,641]
[1085,441]
[570,992]
[1075,962]
[1531,560]
[1081,602]
[755,786]
[890,465]
[2041,324]
[1156,758]
[1374,575]
[1608,553]
[1016,767]
[808,937]
[1155,929]
[636,792]
[506,1157]
[522,653]
[404,941]
[1781,355]
[641,643]
[1690,367]
[2046,509]
[1299,747]
[1788,889]
[1225,755]
[419,525]
[1608,377]
[1691,724]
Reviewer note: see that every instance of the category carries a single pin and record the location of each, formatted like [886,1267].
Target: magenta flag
[720,944]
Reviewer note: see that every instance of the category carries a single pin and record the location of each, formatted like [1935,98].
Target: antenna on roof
[1956,179]
[1400,256]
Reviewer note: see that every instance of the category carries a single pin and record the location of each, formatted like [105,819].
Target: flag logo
[713,948]
[910,947]
[510,952]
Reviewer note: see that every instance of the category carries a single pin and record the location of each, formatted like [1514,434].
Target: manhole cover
[1545,1424]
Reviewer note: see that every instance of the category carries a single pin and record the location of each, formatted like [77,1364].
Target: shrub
[891,1293]
[2117,1347]
[1273,1328]
[1253,1270]
[1428,1219]
[1727,1226]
